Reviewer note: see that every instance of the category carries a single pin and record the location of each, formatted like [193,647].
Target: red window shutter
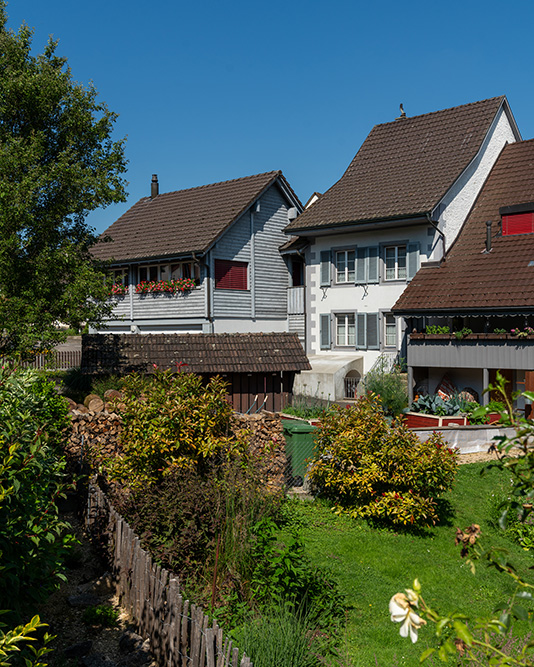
[231,275]
[518,223]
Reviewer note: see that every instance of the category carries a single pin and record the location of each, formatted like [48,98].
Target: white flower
[401,610]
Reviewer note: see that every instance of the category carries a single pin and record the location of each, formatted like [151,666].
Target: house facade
[203,260]
[400,204]
[472,314]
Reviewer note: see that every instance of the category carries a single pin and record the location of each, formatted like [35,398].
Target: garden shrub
[171,420]
[390,386]
[376,470]
[33,539]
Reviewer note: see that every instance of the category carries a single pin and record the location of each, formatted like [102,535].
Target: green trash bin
[299,436]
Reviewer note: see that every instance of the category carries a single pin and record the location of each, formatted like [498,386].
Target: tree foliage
[58,162]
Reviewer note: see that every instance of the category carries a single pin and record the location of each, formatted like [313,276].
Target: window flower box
[118,289]
[178,286]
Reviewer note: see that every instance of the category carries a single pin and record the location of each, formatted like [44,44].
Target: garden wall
[468,439]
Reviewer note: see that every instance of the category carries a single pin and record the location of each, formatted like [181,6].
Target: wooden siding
[514,354]
[297,324]
[271,274]
[235,246]
[162,305]
[231,303]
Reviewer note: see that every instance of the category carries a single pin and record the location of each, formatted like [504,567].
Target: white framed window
[345,266]
[120,276]
[390,330]
[395,261]
[346,329]
[148,273]
[189,270]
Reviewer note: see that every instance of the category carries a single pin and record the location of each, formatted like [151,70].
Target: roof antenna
[402,112]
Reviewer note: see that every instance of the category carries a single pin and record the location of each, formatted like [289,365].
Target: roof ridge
[432,113]
[277,172]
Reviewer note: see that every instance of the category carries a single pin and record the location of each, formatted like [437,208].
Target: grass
[373,564]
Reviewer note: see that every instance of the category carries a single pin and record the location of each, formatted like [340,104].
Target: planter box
[419,420]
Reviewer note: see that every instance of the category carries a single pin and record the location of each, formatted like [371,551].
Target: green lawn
[371,565]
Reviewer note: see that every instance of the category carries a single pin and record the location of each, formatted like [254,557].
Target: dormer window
[517,219]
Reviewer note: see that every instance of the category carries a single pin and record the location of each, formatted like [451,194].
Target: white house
[400,203]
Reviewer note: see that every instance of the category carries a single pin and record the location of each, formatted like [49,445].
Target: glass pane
[390,263]
[351,327]
[153,273]
[340,267]
[341,329]
[351,276]
[143,275]
[401,261]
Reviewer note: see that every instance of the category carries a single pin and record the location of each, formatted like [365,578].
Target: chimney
[154,186]
[488,235]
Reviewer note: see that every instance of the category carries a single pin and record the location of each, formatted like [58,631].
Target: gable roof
[203,353]
[185,221]
[470,279]
[404,168]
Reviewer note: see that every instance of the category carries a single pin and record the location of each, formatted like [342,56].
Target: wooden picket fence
[59,360]
[180,633]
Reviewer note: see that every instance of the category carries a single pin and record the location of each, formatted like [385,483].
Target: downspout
[435,226]
[209,301]
[252,271]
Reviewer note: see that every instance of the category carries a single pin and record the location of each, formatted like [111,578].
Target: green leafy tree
[58,162]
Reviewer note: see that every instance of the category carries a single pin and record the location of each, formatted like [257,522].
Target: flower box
[420,420]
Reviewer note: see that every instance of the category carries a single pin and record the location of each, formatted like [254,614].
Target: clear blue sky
[210,90]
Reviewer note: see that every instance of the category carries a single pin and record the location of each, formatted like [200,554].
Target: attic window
[231,275]
[517,219]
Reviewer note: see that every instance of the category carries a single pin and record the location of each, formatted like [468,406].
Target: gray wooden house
[204,260]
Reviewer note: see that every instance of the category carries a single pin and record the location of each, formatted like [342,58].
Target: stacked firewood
[267,443]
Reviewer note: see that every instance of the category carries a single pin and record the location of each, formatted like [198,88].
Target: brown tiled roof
[182,222]
[469,278]
[404,168]
[203,353]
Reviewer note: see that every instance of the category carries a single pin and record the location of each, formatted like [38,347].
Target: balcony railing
[476,350]
[295,301]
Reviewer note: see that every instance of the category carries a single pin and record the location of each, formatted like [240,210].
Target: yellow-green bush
[378,470]
[171,420]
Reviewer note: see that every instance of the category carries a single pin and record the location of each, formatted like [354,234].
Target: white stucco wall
[359,298]
[456,204]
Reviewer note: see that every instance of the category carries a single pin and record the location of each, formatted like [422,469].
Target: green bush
[390,386]
[27,393]
[33,539]
[436,329]
[376,470]
[171,420]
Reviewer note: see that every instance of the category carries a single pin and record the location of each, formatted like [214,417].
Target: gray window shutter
[326,270]
[372,276]
[413,259]
[324,331]
[361,331]
[361,266]
[373,340]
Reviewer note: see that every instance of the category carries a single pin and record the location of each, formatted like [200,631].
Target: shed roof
[182,222]
[470,279]
[404,168]
[202,353]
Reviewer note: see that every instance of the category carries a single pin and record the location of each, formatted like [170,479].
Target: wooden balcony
[473,351]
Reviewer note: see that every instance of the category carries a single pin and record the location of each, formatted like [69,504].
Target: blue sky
[209,90]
